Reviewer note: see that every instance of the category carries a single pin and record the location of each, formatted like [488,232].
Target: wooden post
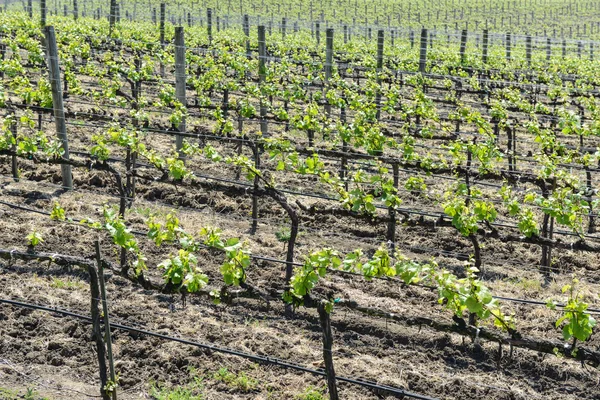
[508,47]
[380,39]
[262,73]
[2,55]
[548,49]
[30,8]
[180,82]
[283,25]
[328,66]
[112,17]
[463,46]
[161,27]
[318,33]
[486,41]
[209,24]
[528,49]
[564,48]
[14,164]
[107,335]
[161,30]
[43,13]
[247,33]
[423,52]
[391,228]
[75,10]
[256,155]
[57,102]
[97,332]
[327,355]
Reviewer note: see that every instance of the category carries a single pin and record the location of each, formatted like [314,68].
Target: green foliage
[182,270]
[239,381]
[122,236]
[576,322]
[312,393]
[34,238]
[57,213]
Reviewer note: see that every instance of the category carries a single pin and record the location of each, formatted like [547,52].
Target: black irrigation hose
[253,357]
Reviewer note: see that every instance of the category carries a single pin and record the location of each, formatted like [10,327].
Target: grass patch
[312,393]
[191,391]
[66,284]
[239,381]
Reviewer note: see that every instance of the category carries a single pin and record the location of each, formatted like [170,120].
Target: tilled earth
[56,356]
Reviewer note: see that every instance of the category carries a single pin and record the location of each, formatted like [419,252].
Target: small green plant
[34,239]
[191,391]
[240,381]
[57,213]
[66,284]
[415,185]
[576,322]
[283,235]
[312,393]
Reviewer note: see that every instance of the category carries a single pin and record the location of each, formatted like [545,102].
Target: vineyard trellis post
[107,337]
[391,228]
[97,332]
[485,46]
[57,102]
[380,42]
[112,15]
[548,49]
[3,48]
[325,320]
[75,10]
[209,24]
[14,163]
[262,73]
[463,45]
[423,51]
[508,50]
[161,29]
[247,33]
[328,67]
[30,8]
[180,83]
[318,34]
[528,49]
[42,13]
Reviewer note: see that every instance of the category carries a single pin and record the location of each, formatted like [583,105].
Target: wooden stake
[327,355]
[107,337]
[57,102]
[180,82]
[97,332]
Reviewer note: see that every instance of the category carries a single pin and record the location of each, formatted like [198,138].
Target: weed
[240,381]
[312,393]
